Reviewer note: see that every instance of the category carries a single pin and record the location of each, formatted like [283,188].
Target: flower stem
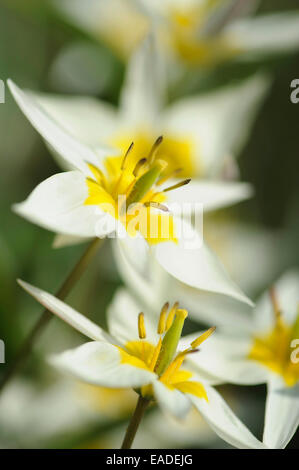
[43,321]
[134,423]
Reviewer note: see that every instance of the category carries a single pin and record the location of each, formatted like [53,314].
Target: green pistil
[170,342]
[145,182]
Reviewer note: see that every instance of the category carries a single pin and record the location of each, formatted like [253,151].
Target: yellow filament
[156,354]
[167,177]
[276,307]
[141,326]
[97,173]
[202,337]
[174,366]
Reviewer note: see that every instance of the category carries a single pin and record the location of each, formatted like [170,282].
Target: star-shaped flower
[148,357]
[266,351]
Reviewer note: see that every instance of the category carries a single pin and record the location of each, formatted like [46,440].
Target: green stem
[43,321]
[134,423]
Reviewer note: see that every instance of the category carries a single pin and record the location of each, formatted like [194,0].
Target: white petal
[86,18]
[224,422]
[287,293]
[224,356]
[86,119]
[67,313]
[118,22]
[191,262]
[153,286]
[74,152]
[57,204]
[100,363]
[212,308]
[282,414]
[272,33]
[122,317]
[240,246]
[218,122]
[207,196]
[171,401]
[143,91]
[138,271]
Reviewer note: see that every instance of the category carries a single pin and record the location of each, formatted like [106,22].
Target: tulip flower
[198,32]
[266,351]
[148,357]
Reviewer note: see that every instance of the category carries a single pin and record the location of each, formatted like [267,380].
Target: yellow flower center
[274,349]
[163,358]
[180,30]
[186,27]
[132,190]
[177,152]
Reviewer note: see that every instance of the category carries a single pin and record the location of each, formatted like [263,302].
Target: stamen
[275,304]
[274,300]
[156,354]
[176,364]
[162,320]
[153,151]
[97,173]
[92,181]
[171,315]
[202,337]
[156,205]
[178,185]
[123,164]
[141,326]
[170,175]
[138,166]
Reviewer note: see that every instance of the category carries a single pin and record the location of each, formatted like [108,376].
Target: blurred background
[40,49]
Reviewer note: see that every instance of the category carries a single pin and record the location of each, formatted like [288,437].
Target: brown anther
[123,164]
[91,180]
[177,185]
[162,320]
[138,166]
[156,205]
[171,315]
[154,149]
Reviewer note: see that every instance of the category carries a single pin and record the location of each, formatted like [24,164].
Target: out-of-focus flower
[201,32]
[239,247]
[85,203]
[69,413]
[146,358]
[201,133]
[198,137]
[264,352]
[65,412]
